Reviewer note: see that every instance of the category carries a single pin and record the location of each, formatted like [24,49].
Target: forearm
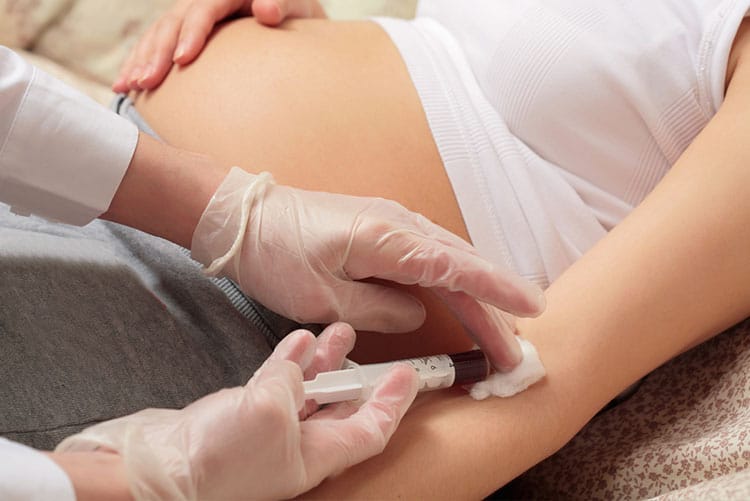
[670,276]
[95,475]
[451,447]
[165,190]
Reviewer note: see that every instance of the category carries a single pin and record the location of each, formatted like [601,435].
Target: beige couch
[84,41]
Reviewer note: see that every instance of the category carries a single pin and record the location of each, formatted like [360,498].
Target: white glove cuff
[155,471]
[221,229]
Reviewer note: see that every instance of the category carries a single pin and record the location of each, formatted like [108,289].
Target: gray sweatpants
[101,321]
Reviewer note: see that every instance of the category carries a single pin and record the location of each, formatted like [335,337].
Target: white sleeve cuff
[27,474]
[64,155]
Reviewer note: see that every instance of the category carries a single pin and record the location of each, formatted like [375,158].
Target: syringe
[435,372]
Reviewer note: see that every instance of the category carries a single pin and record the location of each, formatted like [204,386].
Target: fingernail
[145,74]
[512,354]
[288,345]
[343,335]
[179,51]
[516,355]
[534,296]
[135,75]
[120,82]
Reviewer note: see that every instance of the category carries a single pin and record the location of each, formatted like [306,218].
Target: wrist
[95,474]
[224,223]
[165,190]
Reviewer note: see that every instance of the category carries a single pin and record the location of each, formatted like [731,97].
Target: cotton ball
[506,384]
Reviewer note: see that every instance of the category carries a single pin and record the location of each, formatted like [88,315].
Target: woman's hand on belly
[180,34]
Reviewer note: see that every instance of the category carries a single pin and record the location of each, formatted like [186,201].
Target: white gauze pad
[506,384]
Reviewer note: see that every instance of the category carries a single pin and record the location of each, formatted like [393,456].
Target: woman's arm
[672,275]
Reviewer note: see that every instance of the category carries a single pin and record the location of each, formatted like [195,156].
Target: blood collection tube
[435,372]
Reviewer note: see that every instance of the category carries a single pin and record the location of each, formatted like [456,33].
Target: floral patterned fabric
[684,434]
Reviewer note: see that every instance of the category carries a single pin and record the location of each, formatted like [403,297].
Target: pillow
[22,22]
[346,9]
[94,36]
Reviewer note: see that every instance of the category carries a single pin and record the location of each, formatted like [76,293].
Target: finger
[285,372]
[298,347]
[490,328]
[440,234]
[378,308]
[408,258]
[330,445]
[126,75]
[159,52]
[122,82]
[143,52]
[333,344]
[277,381]
[334,412]
[274,12]
[139,54]
[391,216]
[197,25]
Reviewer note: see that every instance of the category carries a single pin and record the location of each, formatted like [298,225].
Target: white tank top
[610,91]
[555,118]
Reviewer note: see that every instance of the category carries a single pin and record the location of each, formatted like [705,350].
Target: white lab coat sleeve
[62,155]
[27,474]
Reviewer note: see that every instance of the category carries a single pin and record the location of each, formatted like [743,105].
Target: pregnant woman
[598,148]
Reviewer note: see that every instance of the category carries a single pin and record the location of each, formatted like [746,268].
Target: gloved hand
[180,34]
[306,255]
[249,442]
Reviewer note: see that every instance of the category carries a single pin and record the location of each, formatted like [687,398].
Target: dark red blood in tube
[470,367]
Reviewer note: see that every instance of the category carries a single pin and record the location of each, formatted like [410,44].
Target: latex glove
[249,442]
[180,34]
[306,255]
